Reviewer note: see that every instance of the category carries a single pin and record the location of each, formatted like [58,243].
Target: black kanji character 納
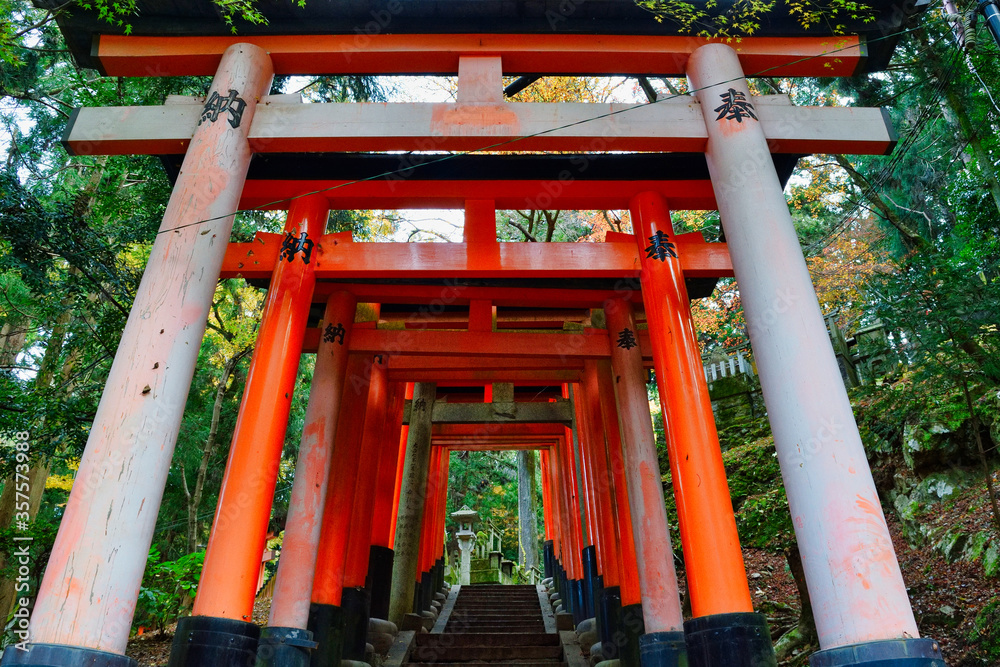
[217,105]
[420,404]
[292,246]
[334,333]
[626,339]
[735,106]
[660,246]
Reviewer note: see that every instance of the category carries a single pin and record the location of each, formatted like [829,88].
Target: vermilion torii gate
[471,315]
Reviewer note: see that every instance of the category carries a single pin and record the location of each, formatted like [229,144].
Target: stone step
[499,663]
[488,639]
[484,653]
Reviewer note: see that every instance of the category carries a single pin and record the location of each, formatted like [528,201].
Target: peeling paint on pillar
[105,534]
[297,565]
[855,585]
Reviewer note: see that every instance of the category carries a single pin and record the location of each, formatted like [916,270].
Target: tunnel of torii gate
[424,348]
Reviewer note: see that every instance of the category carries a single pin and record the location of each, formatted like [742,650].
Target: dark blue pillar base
[206,641]
[50,655]
[356,604]
[326,624]
[284,647]
[610,613]
[380,579]
[579,606]
[734,640]
[888,653]
[664,649]
[633,627]
[590,575]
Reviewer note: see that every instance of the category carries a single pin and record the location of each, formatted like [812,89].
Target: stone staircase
[494,625]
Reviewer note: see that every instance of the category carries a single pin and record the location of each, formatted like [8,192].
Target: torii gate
[722,149]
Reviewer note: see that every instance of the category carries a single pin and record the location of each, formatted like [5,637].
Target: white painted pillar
[855,585]
[88,594]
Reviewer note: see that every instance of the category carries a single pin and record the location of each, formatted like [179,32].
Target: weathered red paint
[404,432]
[88,593]
[297,565]
[388,466]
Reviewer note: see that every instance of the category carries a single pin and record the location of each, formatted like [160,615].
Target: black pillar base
[326,623]
[284,647]
[206,641]
[426,591]
[579,605]
[46,655]
[599,621]
[610,613]
[356,605]
[736,640]
[548,550]
[439,579]
[664,649]
[589,581]
[889,653]
[380,578]
[634,627]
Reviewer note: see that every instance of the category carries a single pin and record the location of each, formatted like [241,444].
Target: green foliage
[985,633]
[168,589]
[744,17]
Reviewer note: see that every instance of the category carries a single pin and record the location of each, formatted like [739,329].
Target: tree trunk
[38,473]
[804,633]
[527,514]
[194,497]
[965,124]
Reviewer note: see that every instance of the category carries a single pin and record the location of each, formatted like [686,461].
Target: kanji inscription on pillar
[420,405]
[735,106]
[293,245]
[334,333]
[626,339]
[660,246]
[216,105]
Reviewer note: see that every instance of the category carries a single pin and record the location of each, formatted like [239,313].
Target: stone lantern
[466,518]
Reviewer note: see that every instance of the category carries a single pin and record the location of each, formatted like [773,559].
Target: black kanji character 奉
[626,339]
[334,333]
[217,105]
[734,106]
[292,246]
[660,246]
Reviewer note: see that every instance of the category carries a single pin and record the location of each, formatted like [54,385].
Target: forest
[903,249]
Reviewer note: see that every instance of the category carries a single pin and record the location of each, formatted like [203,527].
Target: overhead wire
[498,145]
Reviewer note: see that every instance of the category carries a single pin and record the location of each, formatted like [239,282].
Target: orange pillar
[403,435]
[622,605]
[355,600]
[297,565]
[325,613]
[661,607]
[380,557]
[232,560]
[717,581]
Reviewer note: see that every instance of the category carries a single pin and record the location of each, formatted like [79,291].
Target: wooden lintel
[346,260]
[438,54]
[559,412]
[675,125]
